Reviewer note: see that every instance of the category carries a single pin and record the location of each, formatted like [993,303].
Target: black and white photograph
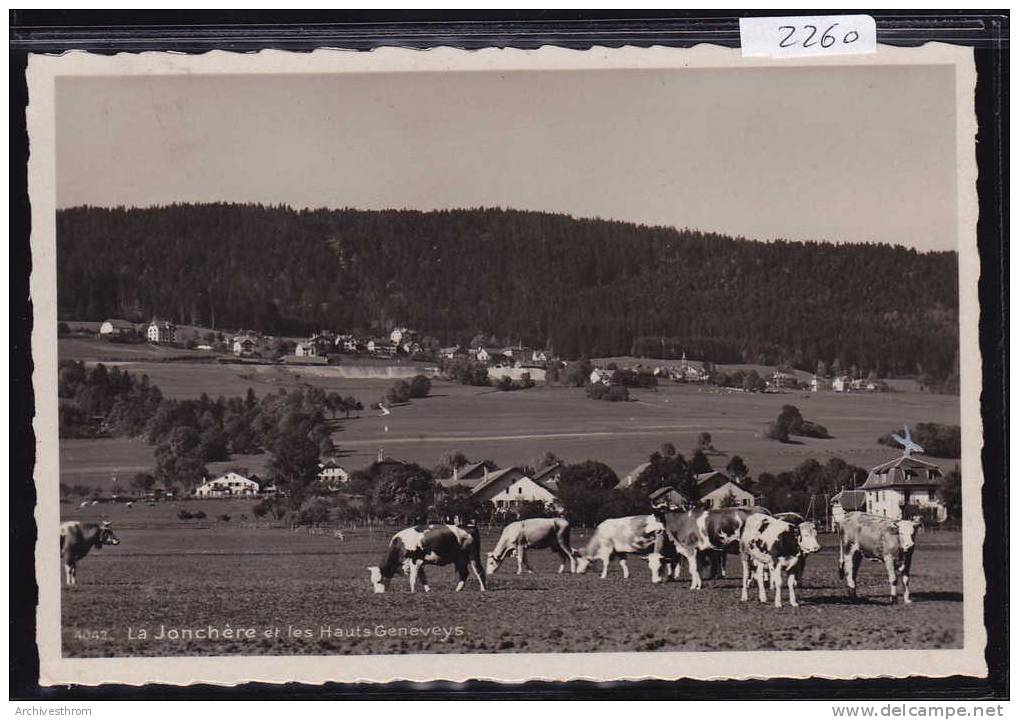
[506,364]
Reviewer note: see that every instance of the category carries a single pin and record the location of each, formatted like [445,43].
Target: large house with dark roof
[847,501]
[714,489]
[506,488]
[902,482]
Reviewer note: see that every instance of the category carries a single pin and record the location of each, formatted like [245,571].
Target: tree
[407,489]
[699,463]
[588,475]
[753,382]
[737,469]
[666,471]
[293,466]
[950,493]
[457,502]
[420,386]
[143,482]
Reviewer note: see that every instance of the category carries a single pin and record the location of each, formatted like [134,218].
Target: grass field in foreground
[314,589]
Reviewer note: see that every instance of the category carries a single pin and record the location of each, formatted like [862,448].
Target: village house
[819,384]
[322,343]
[541,356]
[549,476]
[714,490]
[669,497]
[116,329]
[161,331]
[688,372]
[781,380]
[245,345]
[449,353]
[401,335]
[230,484]
[332,475]
[381,348]
[469,475]
[600,375]
[841,384]
[518,353]
[486,354]
[905,481]
[509,488]
[847,501]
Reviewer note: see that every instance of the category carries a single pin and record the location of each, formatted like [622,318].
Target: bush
[420,386]
[315,513]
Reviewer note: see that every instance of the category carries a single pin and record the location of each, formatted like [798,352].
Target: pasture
[516,427]
[309,594]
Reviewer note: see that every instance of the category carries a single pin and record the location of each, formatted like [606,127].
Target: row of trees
[593,287]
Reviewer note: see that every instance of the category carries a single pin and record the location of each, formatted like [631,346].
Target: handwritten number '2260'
[826,41]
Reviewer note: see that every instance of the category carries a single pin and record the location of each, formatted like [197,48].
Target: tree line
[579,286]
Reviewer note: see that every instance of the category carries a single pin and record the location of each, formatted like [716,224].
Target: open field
[186,575]
[515,427]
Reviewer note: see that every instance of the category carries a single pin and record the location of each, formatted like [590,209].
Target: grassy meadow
[515,427]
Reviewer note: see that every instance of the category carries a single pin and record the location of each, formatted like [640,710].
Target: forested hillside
[579,286]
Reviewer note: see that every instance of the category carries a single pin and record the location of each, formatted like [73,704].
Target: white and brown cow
[878,538]
[699,535]
[413,548]
[619,537]
[773,546]
[534,533]
[77,538]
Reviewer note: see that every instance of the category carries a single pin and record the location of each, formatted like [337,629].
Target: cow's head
[491,564]
[808,541]
[907,533]
[654,562]
[655,524]
[106,536]
[583,562]
[375,577]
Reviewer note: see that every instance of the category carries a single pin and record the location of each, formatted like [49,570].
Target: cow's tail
[476,550]
[842,551]
[567,544]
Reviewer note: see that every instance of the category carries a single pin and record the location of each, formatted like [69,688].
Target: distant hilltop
[579,286]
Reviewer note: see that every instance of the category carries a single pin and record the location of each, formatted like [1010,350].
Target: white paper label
[807,36]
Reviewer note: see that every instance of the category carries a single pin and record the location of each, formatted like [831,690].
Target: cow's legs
[762,594]
[776,582]
[904,571]
[852,565]
[745,567]
[606,558]
[424,580]
[622,564]
[522,554]
[461,573]
[564,557]
[412,574]
[69,574]
[691,562]
[477,573]
[791,580]
[893,576]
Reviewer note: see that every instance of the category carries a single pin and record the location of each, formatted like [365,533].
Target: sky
[862,154]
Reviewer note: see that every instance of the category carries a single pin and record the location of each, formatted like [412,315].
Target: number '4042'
[807,36]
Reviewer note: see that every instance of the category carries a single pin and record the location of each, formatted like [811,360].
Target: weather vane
[908,446]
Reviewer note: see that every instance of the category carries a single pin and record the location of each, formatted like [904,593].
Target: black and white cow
[619,537]
[533,533]
[879,538]
[413,548]
[77,538]
[773,546]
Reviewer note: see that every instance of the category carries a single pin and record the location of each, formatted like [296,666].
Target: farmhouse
[469,475]
[518,352]
[244,345]
[901,483]
[819,384]
[631,477]
[228,485]
[115,329]
[669,497]
[600,375]
[486,353]
[450,353]
[717,490]
[161,331]
[382,348]
[549,476]
[841,384]
[781,380]
[847,501]
[332,475]
[401,335]
[541,356]
[510,487]
[686,372]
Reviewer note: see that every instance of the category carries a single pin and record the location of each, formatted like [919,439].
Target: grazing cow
[619,537]
[76,539]
[770,545]
[695,534]
[878,538]
[536,533]
[412,548]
